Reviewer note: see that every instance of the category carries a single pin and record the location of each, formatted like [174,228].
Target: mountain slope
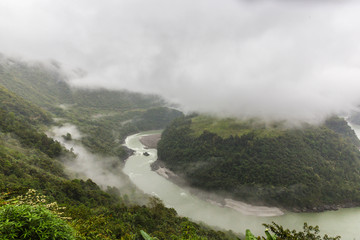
[106,117]
[308,168]
[29,160]
[12,103]
[40,84]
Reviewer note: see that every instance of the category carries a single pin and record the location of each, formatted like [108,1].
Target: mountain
[32,173]
[107,116]
[33,98]
[42,85]
[308,168]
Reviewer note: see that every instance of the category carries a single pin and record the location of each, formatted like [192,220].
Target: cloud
[105,171]
[297,60]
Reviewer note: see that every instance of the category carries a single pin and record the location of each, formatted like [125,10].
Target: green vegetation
[341,127]
[94,214]
[105,132]
[146,236]
[232,127]
[21,118]
[31,160]
[279,233]
[20,107]
[67,137]
[106,117]
[308,233]
[29,222]
[93,218]
[35,82]
[57,207]
[311,168]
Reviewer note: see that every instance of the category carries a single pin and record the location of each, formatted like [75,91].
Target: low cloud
[295,60]
[88,165]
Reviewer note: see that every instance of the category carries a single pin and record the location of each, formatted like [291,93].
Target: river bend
[344,222]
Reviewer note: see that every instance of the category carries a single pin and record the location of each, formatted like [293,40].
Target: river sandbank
[216,199]
[150,141]
[187,202]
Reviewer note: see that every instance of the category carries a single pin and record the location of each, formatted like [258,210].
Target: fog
[105,171]
[295,60]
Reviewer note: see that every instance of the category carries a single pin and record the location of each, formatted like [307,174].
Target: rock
[146,154]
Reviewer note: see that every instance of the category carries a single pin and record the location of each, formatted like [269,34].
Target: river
[344,222]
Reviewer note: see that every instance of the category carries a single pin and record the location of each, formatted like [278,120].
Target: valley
[342,222]
[179,120]
[107,206]
[88,175]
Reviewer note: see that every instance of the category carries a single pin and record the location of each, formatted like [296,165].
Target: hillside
[40,84]
[106,117]
[34,97]
[312,168]
[30,160]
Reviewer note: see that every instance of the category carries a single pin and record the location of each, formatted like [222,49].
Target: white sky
[274,59]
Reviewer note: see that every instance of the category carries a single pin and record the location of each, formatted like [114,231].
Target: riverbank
[324,208]
[216,199]
[200,208]
[160,168]
[150,141]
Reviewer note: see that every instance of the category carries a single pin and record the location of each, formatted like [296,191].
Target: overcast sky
[276,59]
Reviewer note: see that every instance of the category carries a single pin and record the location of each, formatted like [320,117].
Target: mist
[105,171]
[294,60]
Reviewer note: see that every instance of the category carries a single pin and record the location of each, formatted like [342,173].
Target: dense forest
[106,117]
[31,169]
[308,168]
[39,199]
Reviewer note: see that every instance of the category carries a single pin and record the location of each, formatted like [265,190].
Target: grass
[226,127]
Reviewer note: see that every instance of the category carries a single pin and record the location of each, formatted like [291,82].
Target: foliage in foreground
[279,233]
[27,160]
[308,233]
[93,218]
[31,217]
[32,222]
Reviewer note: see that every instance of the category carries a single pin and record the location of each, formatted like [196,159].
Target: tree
[308,233]
[67,137]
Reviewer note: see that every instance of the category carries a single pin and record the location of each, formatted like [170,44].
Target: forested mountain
[38,199]
[308,168]
[31,173]
[40,84]
[106,116]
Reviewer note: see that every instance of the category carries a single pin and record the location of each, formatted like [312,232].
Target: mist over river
[100,169]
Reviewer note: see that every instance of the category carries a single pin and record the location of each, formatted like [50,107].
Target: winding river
[344,222]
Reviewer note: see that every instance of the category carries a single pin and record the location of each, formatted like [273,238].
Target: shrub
[32,222]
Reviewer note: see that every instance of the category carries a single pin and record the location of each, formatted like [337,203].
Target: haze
[295,60]
[103,170]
